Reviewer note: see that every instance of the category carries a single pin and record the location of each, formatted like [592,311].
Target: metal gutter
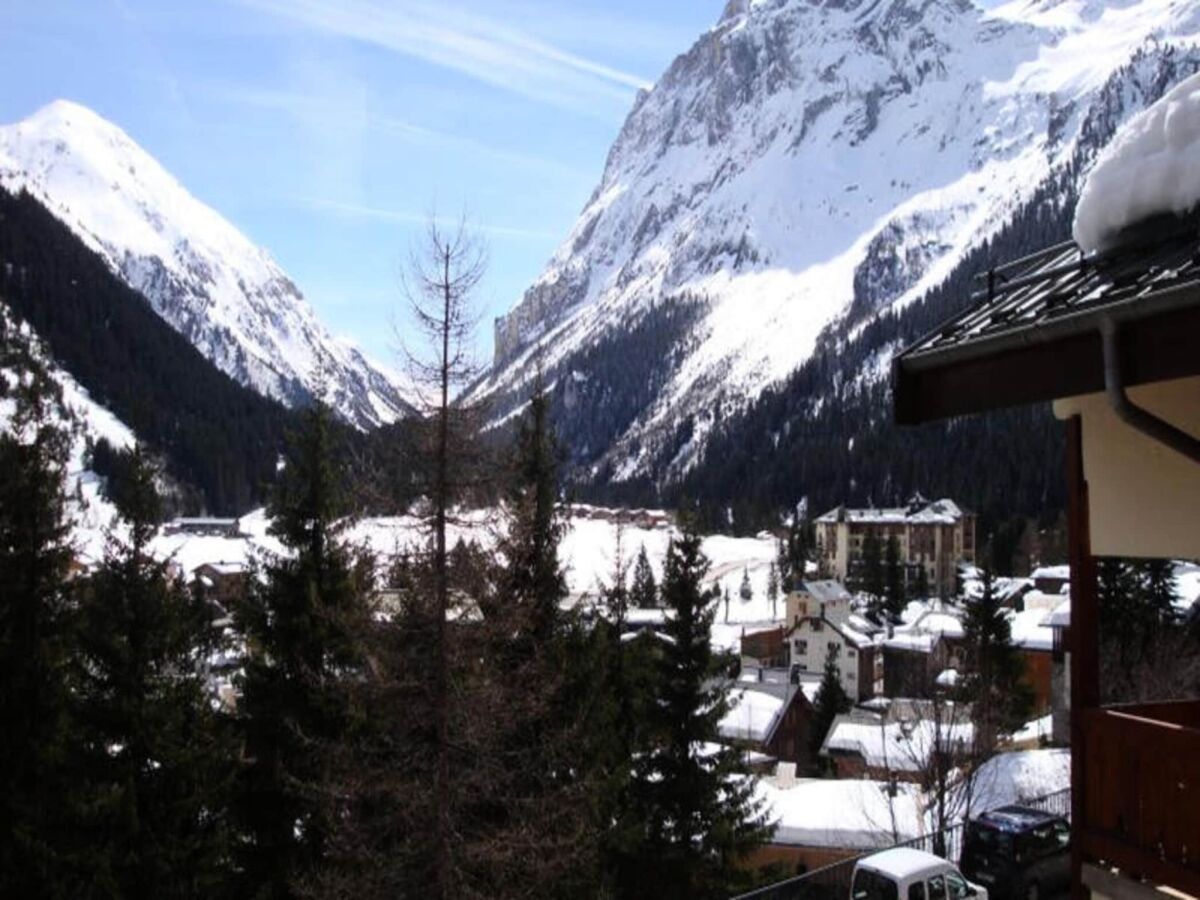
[1137,417]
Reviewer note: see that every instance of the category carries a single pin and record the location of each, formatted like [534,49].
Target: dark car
[1018,853]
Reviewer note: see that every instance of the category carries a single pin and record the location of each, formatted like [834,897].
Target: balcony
[1141,803]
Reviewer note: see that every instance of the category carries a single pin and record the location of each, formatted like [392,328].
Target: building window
[832,647]
[801,648]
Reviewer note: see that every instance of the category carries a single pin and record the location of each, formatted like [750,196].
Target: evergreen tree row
[578,762]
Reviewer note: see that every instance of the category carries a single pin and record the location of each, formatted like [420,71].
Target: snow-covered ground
[1019,776]
[588,553]
[92,516]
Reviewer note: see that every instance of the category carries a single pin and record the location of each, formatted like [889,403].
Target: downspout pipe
[1137,417]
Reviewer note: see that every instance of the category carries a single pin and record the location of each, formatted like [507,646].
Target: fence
[832,882]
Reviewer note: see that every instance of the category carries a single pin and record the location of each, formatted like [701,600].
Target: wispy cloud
[482,47]
[309,107]
[406,217]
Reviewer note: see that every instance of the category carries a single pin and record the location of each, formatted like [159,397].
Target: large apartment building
[935,534]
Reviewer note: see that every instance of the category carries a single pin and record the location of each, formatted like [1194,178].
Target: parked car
[906,874]
[1018,853]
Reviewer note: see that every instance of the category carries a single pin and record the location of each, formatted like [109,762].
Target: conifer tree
[37,737]
[894,579]
[773,588]
[160,760]
[830,702]
[784,564]
[744,590]
[697,806]
[301,629]
[644,593]
[872,578]
[1117,600]
[921,585]
[1158,592]
[526,828]
[1001,700]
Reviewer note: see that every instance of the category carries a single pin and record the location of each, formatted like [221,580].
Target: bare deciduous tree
[443,273]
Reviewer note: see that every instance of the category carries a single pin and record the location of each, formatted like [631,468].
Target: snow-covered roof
[850,814]
[226,568]
[1029,630]
[1150,167]
[936,512]
[927,623]
[918,642]
[896,746]
[827,591]
[1059,617]
[1062,573]
[752,716]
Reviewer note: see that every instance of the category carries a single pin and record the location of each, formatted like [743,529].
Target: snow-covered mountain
[805,165]
[203,276]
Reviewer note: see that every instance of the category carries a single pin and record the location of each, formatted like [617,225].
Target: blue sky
[328,129]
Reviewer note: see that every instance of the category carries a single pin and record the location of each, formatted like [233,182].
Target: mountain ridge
[804,167]
[226,295]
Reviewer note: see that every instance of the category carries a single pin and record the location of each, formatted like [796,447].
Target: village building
[771,718]
[204,526]
[821,621]
[897,744]
[1107,332]
[764,647]
[1058,621]
[935,535]
[915,654]
[1034,639]
[222,583]
[823,821]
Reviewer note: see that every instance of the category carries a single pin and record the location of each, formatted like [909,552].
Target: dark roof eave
[1049,360]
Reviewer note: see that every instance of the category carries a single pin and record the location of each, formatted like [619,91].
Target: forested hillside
[218,436]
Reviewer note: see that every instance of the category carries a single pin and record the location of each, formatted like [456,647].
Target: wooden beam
[1040,372]
[1084,639]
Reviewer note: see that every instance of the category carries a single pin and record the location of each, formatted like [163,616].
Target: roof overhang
[1037,338]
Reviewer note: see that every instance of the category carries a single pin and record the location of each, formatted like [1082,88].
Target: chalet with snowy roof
[934,535]
[1051,579]
[914,654]
[771,718]
[821,621]
[820,821]
[223,583]
[884,747]
[1107,329]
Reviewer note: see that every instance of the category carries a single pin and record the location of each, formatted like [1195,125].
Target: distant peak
[68,112]
[70,120]
[735,8]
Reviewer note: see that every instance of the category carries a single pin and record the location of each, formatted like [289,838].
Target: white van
[906,874]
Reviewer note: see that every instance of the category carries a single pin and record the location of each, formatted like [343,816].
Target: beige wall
[1144,497]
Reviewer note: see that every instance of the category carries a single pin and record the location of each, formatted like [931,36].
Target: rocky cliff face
[223,293]
[803,167]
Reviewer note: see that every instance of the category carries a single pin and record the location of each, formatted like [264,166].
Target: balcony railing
[1141,807]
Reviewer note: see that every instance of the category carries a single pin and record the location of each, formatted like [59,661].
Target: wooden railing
[1141,805]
